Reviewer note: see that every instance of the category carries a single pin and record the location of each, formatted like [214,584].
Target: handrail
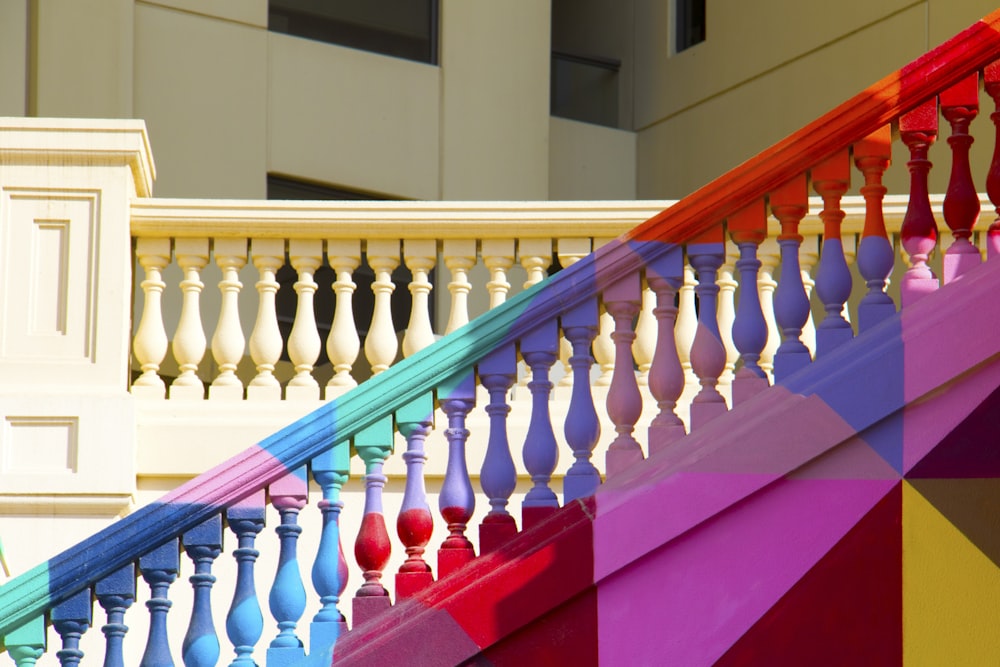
[336,423]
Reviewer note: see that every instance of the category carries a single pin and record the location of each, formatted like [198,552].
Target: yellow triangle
[951,591]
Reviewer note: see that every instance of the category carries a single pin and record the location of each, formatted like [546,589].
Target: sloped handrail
[336,423]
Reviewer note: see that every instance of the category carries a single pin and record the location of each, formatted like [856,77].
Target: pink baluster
[875,253]
[918,130]
[372,548]
[622,300]
[748,228]
[831,179]
[415,523]
[789,204]
[457,500]
[992,77]
[960,105]
[497,372]
[665,275]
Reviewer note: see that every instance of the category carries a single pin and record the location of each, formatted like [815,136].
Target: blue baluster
[789,204]
[831,179]
[203,545]
[245,622]
[159,569]
[875,254]
[748,227]
[498,477]
[71,618]
[540,349]
[708,354]
[582,428]
[287,600]
[116,593]
[415,523]
[372,547]
[457,499]
[665,276]
[329,572]
[26,644]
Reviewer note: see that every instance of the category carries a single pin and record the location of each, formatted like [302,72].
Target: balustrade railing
[675,283]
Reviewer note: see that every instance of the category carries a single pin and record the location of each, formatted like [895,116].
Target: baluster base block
[955,264]
[194,392]
[285,656]
[702,413]
[495,533]
[912,290]
[450,560]
[661,436]
[225,392]
[409,584]
[618,460]
[872,312]
[787,363]
[580,485]
[302,393]
[746,386]
[322,638]
[532,516]
[367,608]
[264,392]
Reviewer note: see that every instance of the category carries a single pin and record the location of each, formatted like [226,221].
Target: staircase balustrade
[401,396]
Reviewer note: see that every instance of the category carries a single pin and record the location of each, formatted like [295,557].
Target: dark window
[690,16]
[401,28]
[584,88]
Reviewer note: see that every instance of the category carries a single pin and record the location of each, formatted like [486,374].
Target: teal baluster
[159,569]
[329,573]
[244,622]
[26,644]
[287,600]
[116,593]
[71,618]
[372,547]
[203,545]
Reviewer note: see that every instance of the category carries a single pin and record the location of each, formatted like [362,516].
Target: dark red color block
[970,450]
[847,610]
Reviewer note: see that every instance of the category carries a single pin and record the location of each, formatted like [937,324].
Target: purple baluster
[665,275]
[457,499]
[287,600]
[960,105]
[497,372]
[372,548]
[875,253]
[116,593]
[245,622]
[789,204]
[415,523]
[203,545]
[622,300]
[159,569]
[582,428]
[71,618]
[918,130]
[708,354]
[329,572]
[831,179]
[540,349]
[748,227]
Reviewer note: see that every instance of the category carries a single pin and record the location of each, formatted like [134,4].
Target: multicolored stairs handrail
[404,394]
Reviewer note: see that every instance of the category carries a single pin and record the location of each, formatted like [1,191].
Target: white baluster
[569,251]
[303,342]
[265,339]
[498,256]
[645,336]
[420,257]
[808,258]
[189,340]
[536,256]
[380,344]
[228,342]
[603,346]
[850,245]
[150,345]
[770,257]
[459,257]
[343,344]
[727,316]
[685,330]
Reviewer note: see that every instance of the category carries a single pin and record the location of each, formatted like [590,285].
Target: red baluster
[992,76]
[918,130]
[415,523]
[372,547]
[960,105]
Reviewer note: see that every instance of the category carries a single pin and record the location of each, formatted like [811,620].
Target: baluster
[380,344]
[686,327]
[960,105]
[875,253]
[498,256]
[604,347]
[415,522]
[808,258]
[245,622]
[748,228]
[539,349]
[287,600]
[303,341]
[570,251]
[991,75]
[666,377]
[497,372]
[159,569]
[831,178]
[265,339]
[727,314]
[420,256]
[71,618]
[645,337]
[582,428]
[228,343]
[150,345]
[203,544]
[116,593]
[372,548]
[343,344]
[536,256]
[459,257]
[770,257]
[189,339]
[708,355]
[789,204]
[26,644]
[457,500]
[918,130]
[329,572]
[624,403]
